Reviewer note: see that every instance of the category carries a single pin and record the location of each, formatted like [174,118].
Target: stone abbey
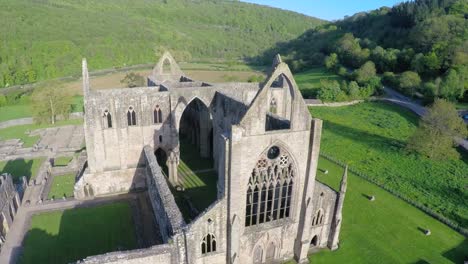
[264,146]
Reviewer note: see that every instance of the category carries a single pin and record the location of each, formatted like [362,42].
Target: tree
[409,82]
[132,79]
[50,100]
[365,73]
[329,90]
[353,90]
[437,130]
[331,62]
[452,87]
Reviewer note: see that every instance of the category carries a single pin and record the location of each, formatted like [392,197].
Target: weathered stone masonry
[265,147]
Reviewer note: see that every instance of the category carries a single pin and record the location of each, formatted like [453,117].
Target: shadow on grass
[71,235]
[18,168]
[458,254]
[364,137]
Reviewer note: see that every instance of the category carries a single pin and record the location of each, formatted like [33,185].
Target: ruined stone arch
[182,104]
[271,187]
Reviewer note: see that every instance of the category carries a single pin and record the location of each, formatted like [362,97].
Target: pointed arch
[157,115]
[318,217]
[314,241]
[271,252]
[208,244]
[258,255]
[107,119]
[270,187]
[131,116]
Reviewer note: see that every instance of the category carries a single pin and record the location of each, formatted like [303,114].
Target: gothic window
[269,191]
[157,115]
[314,241]
[318,218]
[107,119]
[273,106]
[208,244]
[131,116]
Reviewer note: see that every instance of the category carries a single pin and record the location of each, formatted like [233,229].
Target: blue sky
[327,9]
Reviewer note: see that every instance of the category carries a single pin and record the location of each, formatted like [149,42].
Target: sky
[327,9]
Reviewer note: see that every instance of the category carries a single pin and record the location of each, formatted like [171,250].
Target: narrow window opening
[131,117]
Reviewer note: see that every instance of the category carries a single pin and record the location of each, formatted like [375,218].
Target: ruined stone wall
[164,254]
[9,204]
[167,214]
[212,221]
[325,199]
[245,153]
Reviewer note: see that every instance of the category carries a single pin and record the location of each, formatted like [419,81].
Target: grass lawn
[70,235]
[21,167]
[371,137]
[198,179]
[387,230]
[20,131]
[62,185]
[10,112]
[309,81]
[62,161]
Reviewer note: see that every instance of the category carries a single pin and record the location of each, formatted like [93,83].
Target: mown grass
[387,230]
[62,186]
[371,137]
[62,161]
[9,112]
[309,81]
[197,177]
[71,235]
[29,141]
[21,167]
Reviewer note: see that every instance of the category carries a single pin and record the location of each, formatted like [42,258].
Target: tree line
[419,47]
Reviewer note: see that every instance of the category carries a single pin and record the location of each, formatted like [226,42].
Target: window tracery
[208,244]
[157,115]
[269,190]
[131,116]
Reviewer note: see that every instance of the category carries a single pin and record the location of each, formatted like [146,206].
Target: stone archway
[314,241]
[161,157]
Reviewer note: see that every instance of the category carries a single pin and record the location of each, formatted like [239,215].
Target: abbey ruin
[264,145]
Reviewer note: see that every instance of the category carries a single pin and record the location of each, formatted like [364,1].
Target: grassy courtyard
[198,179]
[21,167]
[62,161]
[70,235]
[371,137]
[387,230]
[309,81]
[62,185]
[21,132]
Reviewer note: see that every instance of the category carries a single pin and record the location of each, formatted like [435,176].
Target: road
[401,100]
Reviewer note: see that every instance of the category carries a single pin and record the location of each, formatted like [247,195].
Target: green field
[71,235]
[62,161]
[371,137]
[387,230]
[21,167]
[10,112]
[21,131]
[309,81]
[62,186]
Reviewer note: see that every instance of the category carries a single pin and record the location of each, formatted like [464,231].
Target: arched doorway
[270,253]
[257,257]
[314,241]
[161,157]
[195,130]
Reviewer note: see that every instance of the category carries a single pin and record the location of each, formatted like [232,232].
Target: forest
[45,39]
[419,47]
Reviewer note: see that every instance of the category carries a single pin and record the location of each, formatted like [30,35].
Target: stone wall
[324,199]
[163,254]
[9,204]
[167,214]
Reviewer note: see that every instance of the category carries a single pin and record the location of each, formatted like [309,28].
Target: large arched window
[270,186]
[208,244]
[318,218]
[107,119]
[157,115]
[131,117]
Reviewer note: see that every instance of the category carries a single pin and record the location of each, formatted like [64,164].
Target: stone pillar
[302,243]
[336,225]
[172,164]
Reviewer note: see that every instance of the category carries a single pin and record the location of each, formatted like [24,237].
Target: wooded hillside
[43,39]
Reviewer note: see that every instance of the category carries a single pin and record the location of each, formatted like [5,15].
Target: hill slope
[43,39]
[428,39]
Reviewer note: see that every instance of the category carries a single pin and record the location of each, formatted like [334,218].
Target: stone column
[172,164]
